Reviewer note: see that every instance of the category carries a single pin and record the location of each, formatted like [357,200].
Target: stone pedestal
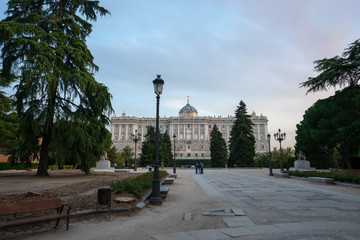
[103,165]
[302,165]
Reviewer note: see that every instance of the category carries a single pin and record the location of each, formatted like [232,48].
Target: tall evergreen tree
[337,71]
[43,44]
[166,155]
[336,128]
[148,147]
[242,140]
[218,151]
[330,128]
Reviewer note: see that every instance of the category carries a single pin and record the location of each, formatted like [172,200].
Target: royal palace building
[192,132]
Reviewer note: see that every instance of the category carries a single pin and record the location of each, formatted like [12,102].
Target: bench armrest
[68,206]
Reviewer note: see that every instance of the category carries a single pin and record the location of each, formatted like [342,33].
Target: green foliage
[127,155]
[9,123]
[53,167]
[165,150]
[86,140]
[218,150]
[136,185]
[329,133]
[288,158]
[43,47]
[68,167]
[337,71]
[242,140]
[148,148]
[16,166]
[349,178]
[114,156]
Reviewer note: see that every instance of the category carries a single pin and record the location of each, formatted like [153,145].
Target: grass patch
[136,185]
[339,177]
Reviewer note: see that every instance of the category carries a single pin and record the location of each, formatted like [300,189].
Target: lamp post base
[155,201]
[155,198]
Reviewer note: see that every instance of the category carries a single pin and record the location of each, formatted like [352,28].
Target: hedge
[349,178]
[183,162]
[16,166]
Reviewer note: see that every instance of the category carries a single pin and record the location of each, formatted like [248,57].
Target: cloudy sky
[219,52]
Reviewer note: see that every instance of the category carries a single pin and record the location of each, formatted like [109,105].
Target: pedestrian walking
[197,167]
[201,168]
[115,165]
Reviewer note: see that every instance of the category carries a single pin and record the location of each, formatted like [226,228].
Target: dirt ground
[71,186]
[75,191]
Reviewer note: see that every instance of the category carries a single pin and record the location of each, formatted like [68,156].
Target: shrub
[136,185]
[16,166]
[53,167]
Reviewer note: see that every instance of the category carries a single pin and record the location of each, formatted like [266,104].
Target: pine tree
[218,151]
[43,46]
[166,155]
[242,140]
[148,147]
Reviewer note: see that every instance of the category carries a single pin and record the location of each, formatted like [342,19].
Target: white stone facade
[192,132]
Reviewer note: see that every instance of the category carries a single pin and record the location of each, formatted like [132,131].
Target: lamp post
[155,198]
[270,167]
[136,138]
[280,137]
[174,170]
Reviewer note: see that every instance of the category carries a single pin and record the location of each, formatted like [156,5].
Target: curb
[143,204]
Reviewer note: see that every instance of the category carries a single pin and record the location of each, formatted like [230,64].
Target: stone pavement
[233,204]
[279,209]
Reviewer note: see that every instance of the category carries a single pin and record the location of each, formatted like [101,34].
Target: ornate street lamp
[136,138]
[174,170]
[155,198]
[270,167]
[280,137]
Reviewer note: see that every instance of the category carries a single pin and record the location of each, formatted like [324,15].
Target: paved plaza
[233,204]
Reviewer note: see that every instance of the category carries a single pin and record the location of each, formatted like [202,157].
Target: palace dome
[188,110]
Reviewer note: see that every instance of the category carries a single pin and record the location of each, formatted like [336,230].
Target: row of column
[184,132]
[142,128]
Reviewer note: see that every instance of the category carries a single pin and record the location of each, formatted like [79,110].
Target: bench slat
[24,207]
[33,220]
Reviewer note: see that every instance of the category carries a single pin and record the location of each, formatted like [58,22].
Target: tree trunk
[348,163]
[44,156]
[44,152]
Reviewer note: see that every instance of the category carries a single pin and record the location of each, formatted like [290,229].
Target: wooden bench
[34,206]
